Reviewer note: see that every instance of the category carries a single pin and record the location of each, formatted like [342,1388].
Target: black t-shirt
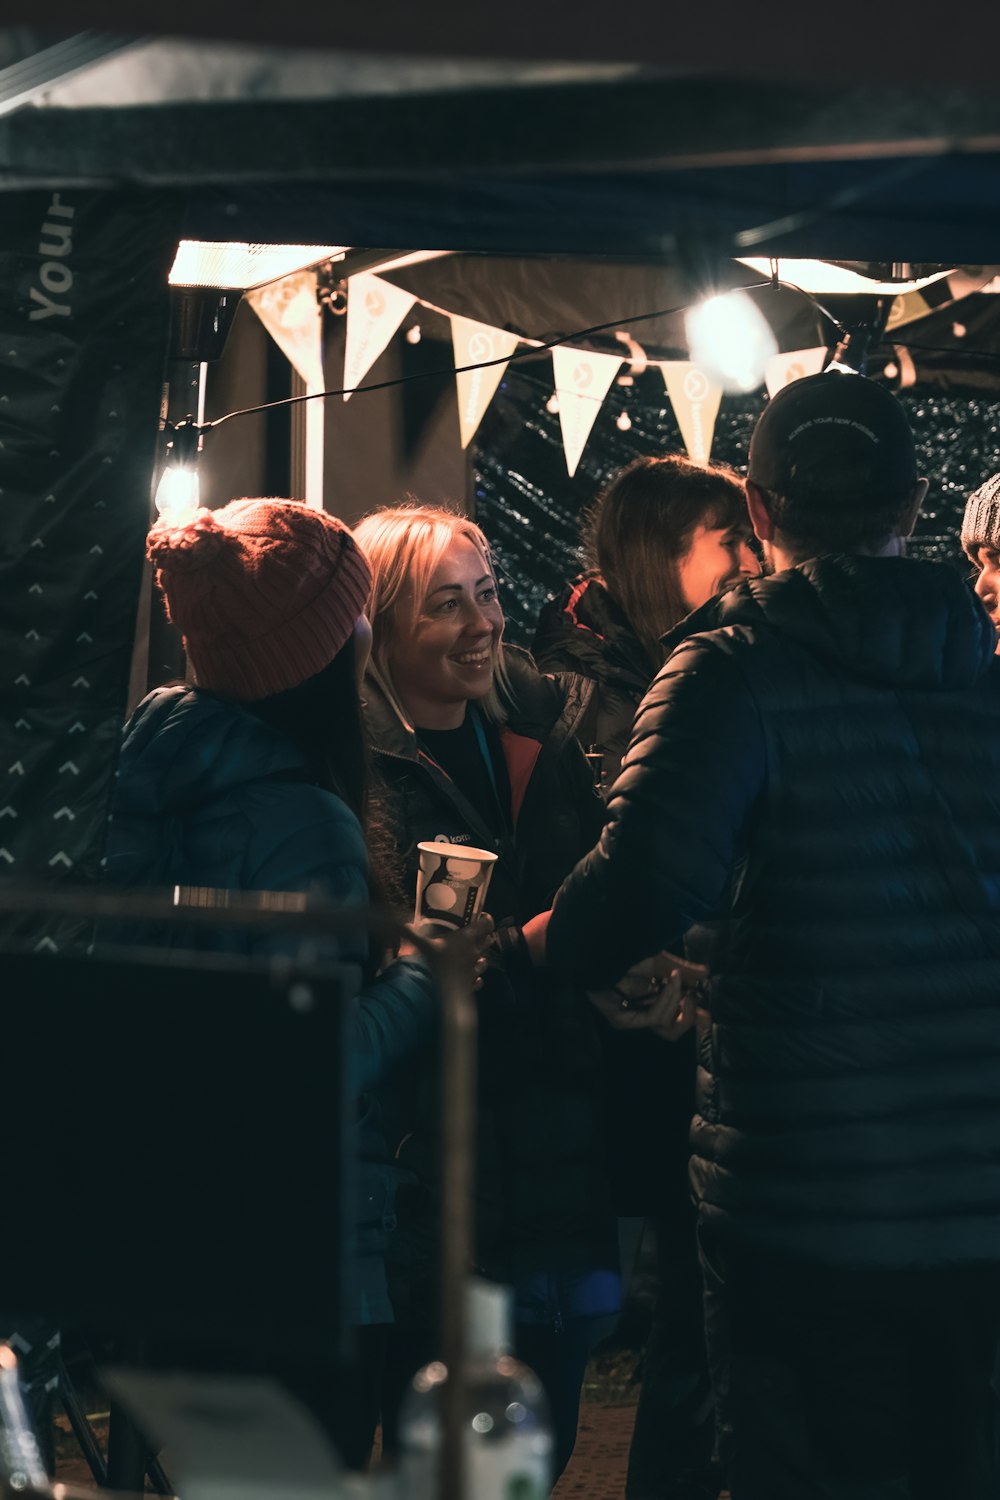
[459,754]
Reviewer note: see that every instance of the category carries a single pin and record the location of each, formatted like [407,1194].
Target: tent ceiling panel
[858,40]
[601,165]
[647,123]
[947,215]
[158,71]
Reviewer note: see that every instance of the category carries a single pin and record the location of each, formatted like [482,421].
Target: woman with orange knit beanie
[254,778]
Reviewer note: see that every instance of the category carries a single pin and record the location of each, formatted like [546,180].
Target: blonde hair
[404,545]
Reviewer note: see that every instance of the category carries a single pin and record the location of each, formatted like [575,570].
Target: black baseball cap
[816,424]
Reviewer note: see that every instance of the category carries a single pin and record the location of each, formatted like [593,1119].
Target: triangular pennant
[782,369]
[906,309]
[583,380]
[476,343]
[695,398]
[375,309]
[289,311]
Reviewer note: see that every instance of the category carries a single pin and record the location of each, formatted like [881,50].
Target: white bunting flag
[289,311]
[782,369]
[582,382]
[695,398]
[476,343]
[375,309]
[906,309]
[291,314]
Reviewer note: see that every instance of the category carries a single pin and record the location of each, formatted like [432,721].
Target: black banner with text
[83,329]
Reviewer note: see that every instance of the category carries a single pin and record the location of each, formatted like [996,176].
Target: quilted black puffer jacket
[812,799]
[584,638]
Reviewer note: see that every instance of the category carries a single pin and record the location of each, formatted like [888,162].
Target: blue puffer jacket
[209,795]
[812,796]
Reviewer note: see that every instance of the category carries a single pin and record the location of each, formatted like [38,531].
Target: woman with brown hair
[663,538]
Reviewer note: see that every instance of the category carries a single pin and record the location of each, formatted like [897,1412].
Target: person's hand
[534,933]
[464,944]
[660,994]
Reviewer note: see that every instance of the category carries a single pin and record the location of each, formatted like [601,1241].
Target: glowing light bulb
[623,421]
[413,334]
[552,405]
[178,494]
[731,339]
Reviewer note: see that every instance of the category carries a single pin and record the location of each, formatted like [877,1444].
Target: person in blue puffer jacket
[255,779]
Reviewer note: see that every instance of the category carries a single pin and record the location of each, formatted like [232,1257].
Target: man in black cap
[811,803]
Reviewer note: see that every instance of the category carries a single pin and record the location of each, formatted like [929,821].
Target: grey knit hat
[981,524]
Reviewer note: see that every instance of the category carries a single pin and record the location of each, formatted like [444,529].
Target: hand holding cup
[452,881]
[466,944]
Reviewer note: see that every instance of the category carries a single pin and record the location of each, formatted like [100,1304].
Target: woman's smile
[449,653]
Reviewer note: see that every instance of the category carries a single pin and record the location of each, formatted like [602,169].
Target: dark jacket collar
[893,621]
[183,746]
[537,709]
[584,630]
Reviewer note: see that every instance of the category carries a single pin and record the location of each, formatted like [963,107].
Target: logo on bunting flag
[477,343]
[582,381]
[695,398]
[375,309]
[906,309]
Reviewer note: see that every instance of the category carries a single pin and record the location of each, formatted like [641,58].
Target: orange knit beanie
[264,592]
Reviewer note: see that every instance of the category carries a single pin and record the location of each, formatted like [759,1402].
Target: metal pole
[458,1131]
[128,1453]
[202,906]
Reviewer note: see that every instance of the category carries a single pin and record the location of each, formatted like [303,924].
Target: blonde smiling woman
[476,747]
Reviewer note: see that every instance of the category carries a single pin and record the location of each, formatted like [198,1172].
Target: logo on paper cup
[452,881]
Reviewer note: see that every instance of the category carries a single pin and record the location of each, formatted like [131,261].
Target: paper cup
[452,882]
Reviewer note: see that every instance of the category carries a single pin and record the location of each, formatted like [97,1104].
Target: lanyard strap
[484,751]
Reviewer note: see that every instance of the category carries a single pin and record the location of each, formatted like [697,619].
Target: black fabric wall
[83,327]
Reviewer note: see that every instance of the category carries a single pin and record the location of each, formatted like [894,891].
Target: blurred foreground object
[21,1467]
[507,1435]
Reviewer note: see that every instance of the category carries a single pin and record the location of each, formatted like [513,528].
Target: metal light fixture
[859,337]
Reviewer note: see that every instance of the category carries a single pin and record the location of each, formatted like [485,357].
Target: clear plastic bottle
[508,1436]
[22,1472]
[21,1469]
